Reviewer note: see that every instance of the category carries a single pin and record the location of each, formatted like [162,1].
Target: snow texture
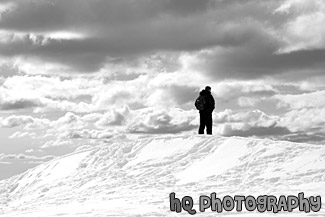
[135,177]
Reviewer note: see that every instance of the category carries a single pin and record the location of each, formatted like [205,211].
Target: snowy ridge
[135,177]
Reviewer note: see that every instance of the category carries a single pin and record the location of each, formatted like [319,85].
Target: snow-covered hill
[135,177]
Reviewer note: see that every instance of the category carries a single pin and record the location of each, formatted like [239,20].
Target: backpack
[200,103]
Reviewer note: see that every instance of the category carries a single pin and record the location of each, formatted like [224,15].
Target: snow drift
[135,177]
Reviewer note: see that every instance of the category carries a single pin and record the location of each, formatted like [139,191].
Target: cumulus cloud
[26,121]
[7,69]
[300,124]
[27,158]
[247,130]
[19,104]
[253,116]
[83,36]
[301,101]
[247,101]
[57,143]
[88,94]
[305,31]
[68,121]
[20,134]
[165,121]
[10,101]
[65,126]
[77,139]
[113,118]
[305,124]
[251,123]
[258,59]
[172,95]
[305,120]
[54,87]
[151,59]
[104,27]
[92,134]
[234,89]
[41,93]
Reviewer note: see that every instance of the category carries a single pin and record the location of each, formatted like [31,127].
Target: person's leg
[202,123]
[209,123]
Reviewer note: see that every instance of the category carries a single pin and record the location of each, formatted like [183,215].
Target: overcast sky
[77,72]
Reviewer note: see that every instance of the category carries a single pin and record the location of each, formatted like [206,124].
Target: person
[206,111]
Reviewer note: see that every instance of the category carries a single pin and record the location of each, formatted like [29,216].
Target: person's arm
[213,103]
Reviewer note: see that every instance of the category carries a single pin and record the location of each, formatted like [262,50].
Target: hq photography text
[262,203]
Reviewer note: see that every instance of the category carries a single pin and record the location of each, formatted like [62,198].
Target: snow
[221,160]
[135,177]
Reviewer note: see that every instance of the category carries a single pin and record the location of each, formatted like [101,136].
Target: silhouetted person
[205,104]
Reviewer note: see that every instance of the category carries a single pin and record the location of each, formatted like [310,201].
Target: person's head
[208,88]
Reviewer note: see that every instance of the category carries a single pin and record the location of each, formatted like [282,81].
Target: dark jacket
[209,101]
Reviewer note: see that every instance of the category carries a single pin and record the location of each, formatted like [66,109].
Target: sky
[79,73]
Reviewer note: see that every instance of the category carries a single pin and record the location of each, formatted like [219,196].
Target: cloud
[316,138]
[7,69]
[247,101]
[305,31]
[186,7]
[230,39]
[164,121]
[112,118]
[53,93]
[258,59]
[28,122]
[57,143]
[305,124]
[302,122]
[169,95]
[88,134]
[68,121]
[251,123]
[19,134]
[92,117]
[19,104]
[27,158]
[10,101]
[248,130]
[151,59]
[88,94]
[305,120]
[234,89]
[104,28]
[300,101]
[53,87]
[82,138]
[253,117]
